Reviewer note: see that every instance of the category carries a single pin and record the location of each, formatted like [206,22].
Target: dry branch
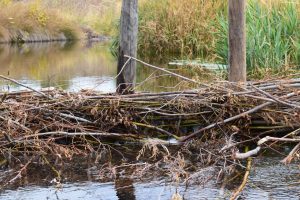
[212,112]
[164,70]
[25,86]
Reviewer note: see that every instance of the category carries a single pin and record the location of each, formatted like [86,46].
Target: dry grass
[100,15]
[32,18]
[176,26]
[53,17]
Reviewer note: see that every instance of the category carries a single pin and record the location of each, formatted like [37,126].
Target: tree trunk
[127,46]
[237,40]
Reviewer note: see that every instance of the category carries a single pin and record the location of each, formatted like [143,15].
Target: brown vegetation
[225,112]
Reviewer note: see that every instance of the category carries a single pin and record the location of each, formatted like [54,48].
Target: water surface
[269,179]
[69,66]
[73,67]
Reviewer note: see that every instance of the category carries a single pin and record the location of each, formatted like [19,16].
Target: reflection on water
[269,180]
[68,66]
[79,66]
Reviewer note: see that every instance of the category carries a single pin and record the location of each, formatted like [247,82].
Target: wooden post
[237,40]
[127,46]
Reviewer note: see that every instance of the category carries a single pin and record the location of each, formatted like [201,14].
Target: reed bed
[272,35]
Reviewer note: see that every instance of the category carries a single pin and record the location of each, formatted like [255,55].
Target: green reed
[273,36]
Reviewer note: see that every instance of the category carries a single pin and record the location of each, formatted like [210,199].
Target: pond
[72,67]
[69,66]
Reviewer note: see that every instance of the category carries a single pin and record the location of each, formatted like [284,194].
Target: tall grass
[273,35]
[178,27]
[199,28]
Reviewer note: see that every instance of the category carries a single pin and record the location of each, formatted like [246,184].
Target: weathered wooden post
[127,46]
[237,40]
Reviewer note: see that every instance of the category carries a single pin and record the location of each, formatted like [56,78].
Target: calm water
[72,67]
[68,66]
[269,180]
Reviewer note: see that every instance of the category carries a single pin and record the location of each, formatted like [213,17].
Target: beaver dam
[181,134]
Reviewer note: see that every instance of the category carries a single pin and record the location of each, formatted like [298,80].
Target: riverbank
[35,21]
[32,23]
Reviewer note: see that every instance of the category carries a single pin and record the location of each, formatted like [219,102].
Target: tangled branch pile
[233,113]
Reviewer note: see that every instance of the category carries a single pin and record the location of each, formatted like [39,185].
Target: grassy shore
[37,20]
[23,21]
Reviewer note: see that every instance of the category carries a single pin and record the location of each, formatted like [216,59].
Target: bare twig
[125,64]
[276,99]
[268,138]
[184,139]
[167,71]
[255,151]
[241,156]
[61,133]
[30,88]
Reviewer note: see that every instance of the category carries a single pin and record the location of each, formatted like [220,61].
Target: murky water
[268,180]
